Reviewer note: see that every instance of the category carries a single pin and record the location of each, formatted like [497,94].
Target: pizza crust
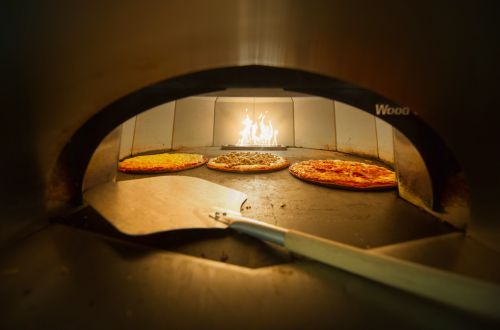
[344,174]
[221,163]
[161,163]
[347,187]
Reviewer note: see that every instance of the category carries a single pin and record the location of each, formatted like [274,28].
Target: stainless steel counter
[64,278]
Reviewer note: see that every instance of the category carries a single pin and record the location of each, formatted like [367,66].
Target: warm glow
[258,133]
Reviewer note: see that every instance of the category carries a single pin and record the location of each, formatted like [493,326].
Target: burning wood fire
[259,133]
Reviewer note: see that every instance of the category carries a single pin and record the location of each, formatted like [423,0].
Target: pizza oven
[300,126]
[319,91]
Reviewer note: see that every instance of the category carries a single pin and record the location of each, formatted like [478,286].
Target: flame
[258,133]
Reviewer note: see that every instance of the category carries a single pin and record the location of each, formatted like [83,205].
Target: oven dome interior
[302,121]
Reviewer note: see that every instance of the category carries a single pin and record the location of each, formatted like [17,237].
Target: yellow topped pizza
[160,163]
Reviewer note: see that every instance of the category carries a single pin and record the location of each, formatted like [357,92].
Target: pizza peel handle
[449,288]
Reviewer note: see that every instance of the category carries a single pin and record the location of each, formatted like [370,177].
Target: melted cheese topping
[159,161]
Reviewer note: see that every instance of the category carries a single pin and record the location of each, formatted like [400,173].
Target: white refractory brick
[194,122]
[127,138]
[231,111]
[153,129]
[385,141]
[314,123]
[355,130]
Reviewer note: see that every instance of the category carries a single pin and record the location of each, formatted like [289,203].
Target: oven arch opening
[442,167]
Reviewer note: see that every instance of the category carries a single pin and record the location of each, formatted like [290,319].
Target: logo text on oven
[386,110]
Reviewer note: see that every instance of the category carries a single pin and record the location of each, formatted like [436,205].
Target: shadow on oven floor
[224,245]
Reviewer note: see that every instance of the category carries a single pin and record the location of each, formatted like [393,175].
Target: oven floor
[362,219]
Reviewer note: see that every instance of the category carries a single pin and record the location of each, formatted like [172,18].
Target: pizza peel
[157,204]
[162,203]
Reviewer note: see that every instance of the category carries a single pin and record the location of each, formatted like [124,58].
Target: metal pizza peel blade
[156,204]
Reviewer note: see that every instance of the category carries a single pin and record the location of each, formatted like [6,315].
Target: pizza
[243,162]
[344,174]
[160,163]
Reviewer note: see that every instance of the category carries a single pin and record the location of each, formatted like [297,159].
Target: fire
[258,133]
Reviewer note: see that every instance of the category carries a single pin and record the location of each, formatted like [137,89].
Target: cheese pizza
[160,163]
